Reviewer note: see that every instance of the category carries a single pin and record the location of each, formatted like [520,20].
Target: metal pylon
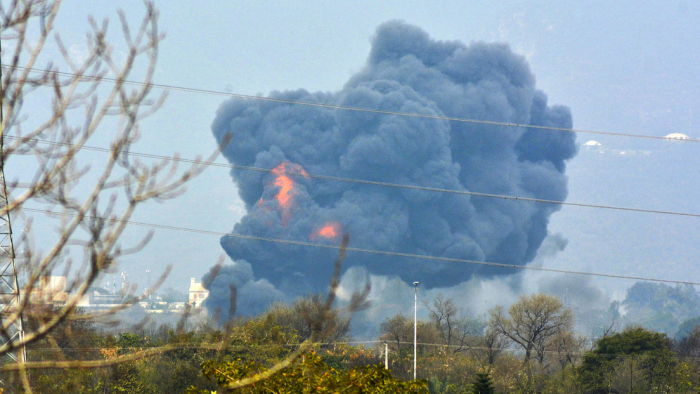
[9,284]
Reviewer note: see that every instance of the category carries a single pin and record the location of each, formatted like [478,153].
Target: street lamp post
[386,355]
[148,287]
[415,326]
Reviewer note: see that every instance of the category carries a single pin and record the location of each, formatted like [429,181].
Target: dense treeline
[193,357]
[529,348]
[532,348]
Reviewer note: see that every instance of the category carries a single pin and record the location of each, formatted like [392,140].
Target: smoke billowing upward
[407,72]
[249,295]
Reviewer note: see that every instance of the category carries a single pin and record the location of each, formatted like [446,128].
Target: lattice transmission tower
[9,283]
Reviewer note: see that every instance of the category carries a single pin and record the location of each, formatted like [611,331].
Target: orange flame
[289,168]
[329,231]
[286,185]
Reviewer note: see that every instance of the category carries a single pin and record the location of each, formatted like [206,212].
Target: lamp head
[415,283]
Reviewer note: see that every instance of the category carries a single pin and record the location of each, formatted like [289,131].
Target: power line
[371,251]
[374,183]
[466,347]
[212,346]
[349,108]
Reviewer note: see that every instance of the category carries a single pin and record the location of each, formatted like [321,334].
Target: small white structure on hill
[592,143]
[197,294]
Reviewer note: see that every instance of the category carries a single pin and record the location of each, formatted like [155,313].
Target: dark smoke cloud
[406,71]
[253,296]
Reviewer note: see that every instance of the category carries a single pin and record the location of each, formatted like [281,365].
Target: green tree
[483,384]
[126,379]
[636,358]
[304,312]
[309,375]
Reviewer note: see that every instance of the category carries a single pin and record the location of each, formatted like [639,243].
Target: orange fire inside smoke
[328,231]
[286,186]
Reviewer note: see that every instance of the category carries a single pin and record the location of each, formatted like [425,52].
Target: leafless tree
[611,329]
[534,320]
[104,93]
[566,348]
[456,331]
[52,110]
[494,343]
[443,313]
[397,329]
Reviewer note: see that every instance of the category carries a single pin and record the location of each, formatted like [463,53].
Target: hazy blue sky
[624,66]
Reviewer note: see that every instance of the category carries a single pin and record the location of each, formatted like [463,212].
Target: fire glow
[329,231]
[286,186]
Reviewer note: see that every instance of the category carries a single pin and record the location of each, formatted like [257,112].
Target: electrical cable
[217,347]
[349,108]
[399,254]
[372,251]
[375,183]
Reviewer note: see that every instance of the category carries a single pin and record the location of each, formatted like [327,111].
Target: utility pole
[415,326]
[386,356]
[9,284]
[148,287]
[124,276]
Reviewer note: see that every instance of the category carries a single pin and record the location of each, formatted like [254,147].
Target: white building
[197,293]
[50,290]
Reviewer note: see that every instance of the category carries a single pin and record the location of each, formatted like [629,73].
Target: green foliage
[483,384]
[168,372]
[126,379]
[303,311]
[310,375]
[564,381]
[636,358]
[633,341]
[261,340]
[436,385]
[634,361]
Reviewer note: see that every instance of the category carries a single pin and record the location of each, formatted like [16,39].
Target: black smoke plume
[232,289]
[406,72]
